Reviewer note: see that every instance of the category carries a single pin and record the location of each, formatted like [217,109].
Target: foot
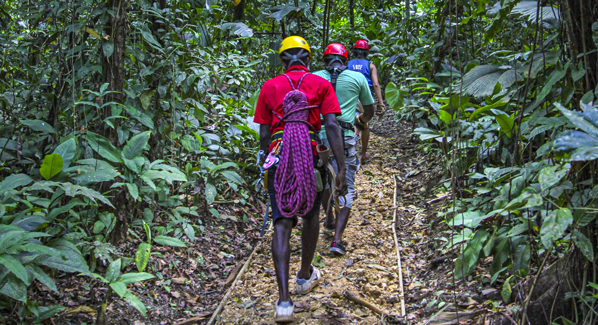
[337,247]
[284,312]
[365,158]
[305,286]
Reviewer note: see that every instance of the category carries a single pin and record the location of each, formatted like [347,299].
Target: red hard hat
[362,44]
[336,49]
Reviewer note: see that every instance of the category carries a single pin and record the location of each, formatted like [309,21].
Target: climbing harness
[334,74]
[261,187]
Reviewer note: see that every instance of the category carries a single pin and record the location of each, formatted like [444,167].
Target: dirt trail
[370,266]
[369,269]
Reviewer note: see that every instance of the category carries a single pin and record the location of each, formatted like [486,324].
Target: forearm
[378,92]
[368,113]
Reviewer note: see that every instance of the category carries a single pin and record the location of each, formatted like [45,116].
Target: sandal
[284,312]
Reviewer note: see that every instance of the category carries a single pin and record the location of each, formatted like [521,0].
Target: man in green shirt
[350,87]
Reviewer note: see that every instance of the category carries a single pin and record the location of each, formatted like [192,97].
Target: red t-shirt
[319,91]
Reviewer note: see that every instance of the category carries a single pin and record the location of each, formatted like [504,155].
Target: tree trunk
[113,66]
[579,17]
[239,11]
[352,13]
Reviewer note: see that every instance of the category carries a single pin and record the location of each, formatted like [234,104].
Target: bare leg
[341,224]
[365,139]
[329,223]
[309,242]
[281,253]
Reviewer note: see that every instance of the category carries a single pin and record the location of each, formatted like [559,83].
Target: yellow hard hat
[293,42]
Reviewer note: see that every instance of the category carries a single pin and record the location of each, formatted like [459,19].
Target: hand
[358,123]
[380,109]
[341,182]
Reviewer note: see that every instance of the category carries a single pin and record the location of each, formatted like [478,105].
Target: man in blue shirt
[364,66]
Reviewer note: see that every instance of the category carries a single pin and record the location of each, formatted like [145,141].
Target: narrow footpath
[369,269]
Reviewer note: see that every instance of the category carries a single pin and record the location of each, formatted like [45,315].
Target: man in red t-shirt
[295,55]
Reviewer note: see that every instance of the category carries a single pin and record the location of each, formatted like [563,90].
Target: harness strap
[285,117]
[334,73]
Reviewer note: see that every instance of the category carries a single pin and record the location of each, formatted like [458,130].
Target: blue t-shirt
[362,66]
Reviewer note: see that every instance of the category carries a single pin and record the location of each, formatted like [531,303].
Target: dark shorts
[276,212]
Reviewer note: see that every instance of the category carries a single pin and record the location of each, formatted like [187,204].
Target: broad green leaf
[95,177]
[571,139]
[586,121]
[74,190]
[239,29]
[135,302]
[190,232]
[15,267]
[506,123]
[527,199]
[42,277]
[133,190]
[119,287]
[98,226]
[15,289]
[279,12]
[169,241]
[113,271]
[469,219]
[67,151]
[445,117]
[394,96]
[210,193]
[554,225]
[51,166]
[223,166]
[550,176]
[39,126]
[49,311]
[70,260]
[481,81]
[132,277]
[108,48]
[232,176]
[142,256]
[583,243]
[29,223]
[103,147]
[521,258]
[146,98]
[14,181]
[135,145]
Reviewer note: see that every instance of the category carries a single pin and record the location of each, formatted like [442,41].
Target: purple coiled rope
[294,181]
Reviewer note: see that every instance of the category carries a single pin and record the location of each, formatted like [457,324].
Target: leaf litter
[192,282]
[369,269]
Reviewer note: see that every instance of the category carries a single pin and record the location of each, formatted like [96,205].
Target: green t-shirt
[351,86]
